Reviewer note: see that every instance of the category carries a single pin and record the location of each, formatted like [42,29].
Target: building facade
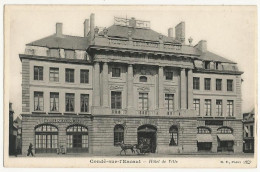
[249,134]
[128,83]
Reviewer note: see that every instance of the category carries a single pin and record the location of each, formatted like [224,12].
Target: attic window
[69,54]
[217,65]
[53,52]
[207,64]
[143,79]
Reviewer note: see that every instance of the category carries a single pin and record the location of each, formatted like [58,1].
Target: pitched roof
[137,33]
[214,57]
[65,41]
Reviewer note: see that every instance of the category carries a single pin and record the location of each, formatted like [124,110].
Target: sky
[230,31]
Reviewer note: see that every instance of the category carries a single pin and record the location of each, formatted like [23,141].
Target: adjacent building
[249,127]
[128,83]
[12,132]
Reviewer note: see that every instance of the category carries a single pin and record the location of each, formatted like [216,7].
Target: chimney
[170,32]
[59,29]
[132,22]
[86,27]
[92,26]
[180,32]
[202,46]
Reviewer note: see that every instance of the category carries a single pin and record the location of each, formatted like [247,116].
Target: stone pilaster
[190,89]
[96,86]
[105,85]
[160,88]
[183,89]
[130,89]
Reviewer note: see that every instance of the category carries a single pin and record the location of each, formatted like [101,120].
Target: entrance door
[147,138]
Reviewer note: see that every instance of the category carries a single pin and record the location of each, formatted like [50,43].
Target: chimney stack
[202,46]
[86,27]
[170,32]
[132,22]
[180,32]
[92,26]
[59,29]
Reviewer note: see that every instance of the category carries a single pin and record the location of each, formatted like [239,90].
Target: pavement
[199,155]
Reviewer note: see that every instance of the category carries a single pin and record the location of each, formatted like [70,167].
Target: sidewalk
[237,155]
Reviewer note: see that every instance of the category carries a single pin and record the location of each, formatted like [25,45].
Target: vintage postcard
[130,86]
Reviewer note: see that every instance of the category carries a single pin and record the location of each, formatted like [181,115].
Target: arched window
[118,134]
[77,138]
[173,136]
[143,79]
[46,138]
[203,130]
[224,130]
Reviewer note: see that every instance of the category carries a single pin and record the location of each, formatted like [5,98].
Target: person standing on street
[30,150]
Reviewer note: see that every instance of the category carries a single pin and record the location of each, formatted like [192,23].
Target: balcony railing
[147,112]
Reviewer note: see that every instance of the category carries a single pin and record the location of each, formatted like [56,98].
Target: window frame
[69,75]
[38,73]
[143,98]
[219,107]
[83,98]
[38,101]
[207,104]
[174,135]
[119,134]
[230,86]
[84,76]
[57,103]
[217,85]
[142,79]
[207,84]
[168,75]
[116,97]
[230,111]
[54,71]
[168,98]
[196,83]
[116,72]
[196,102]
[70,95]
[203,130]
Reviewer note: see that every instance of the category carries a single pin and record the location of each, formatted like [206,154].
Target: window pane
[54,101]
[207,83]
[196,106]
[38,101]
[54,74]
[116,100]
[116,72]
[69,102]
[84,102]
[229,85]
[69,76]
[84,76]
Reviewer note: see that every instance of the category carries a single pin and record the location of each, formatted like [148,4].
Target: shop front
[225,139]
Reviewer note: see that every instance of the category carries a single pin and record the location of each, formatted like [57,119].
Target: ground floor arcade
[102,134]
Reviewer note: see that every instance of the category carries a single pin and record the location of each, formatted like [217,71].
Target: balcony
[147,112]
[119,111]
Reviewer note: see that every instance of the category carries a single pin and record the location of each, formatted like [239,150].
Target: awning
[204,138]
[226,137]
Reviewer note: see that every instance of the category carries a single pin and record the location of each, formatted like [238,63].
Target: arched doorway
[146,134]
[77,138]
[46,138]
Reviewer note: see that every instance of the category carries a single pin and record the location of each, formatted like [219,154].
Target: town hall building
[128,83]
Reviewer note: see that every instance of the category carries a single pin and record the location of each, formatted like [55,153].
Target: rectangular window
[116,72]
[218,84]
[54,52]
[196,106]
[207,64]
[143,101]
[219,107]
[230,108]
[54,102]
[70,102]
[229,85]
[196,83]
[116,100]
[207,107]
[217,65]
[252,130]
[84,100]
[54,74]
[69,76]
[207,83]
[38,73]
[38,101]
[169,75]
[69,54]
[169,102]
[246,131]
[84,76]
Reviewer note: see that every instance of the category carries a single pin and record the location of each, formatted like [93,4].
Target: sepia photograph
[130,86]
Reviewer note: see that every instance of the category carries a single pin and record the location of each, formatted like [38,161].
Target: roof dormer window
[206,64]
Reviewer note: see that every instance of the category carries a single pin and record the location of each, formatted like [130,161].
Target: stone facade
[137,91]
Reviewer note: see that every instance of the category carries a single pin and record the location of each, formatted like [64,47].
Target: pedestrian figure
[30,150]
